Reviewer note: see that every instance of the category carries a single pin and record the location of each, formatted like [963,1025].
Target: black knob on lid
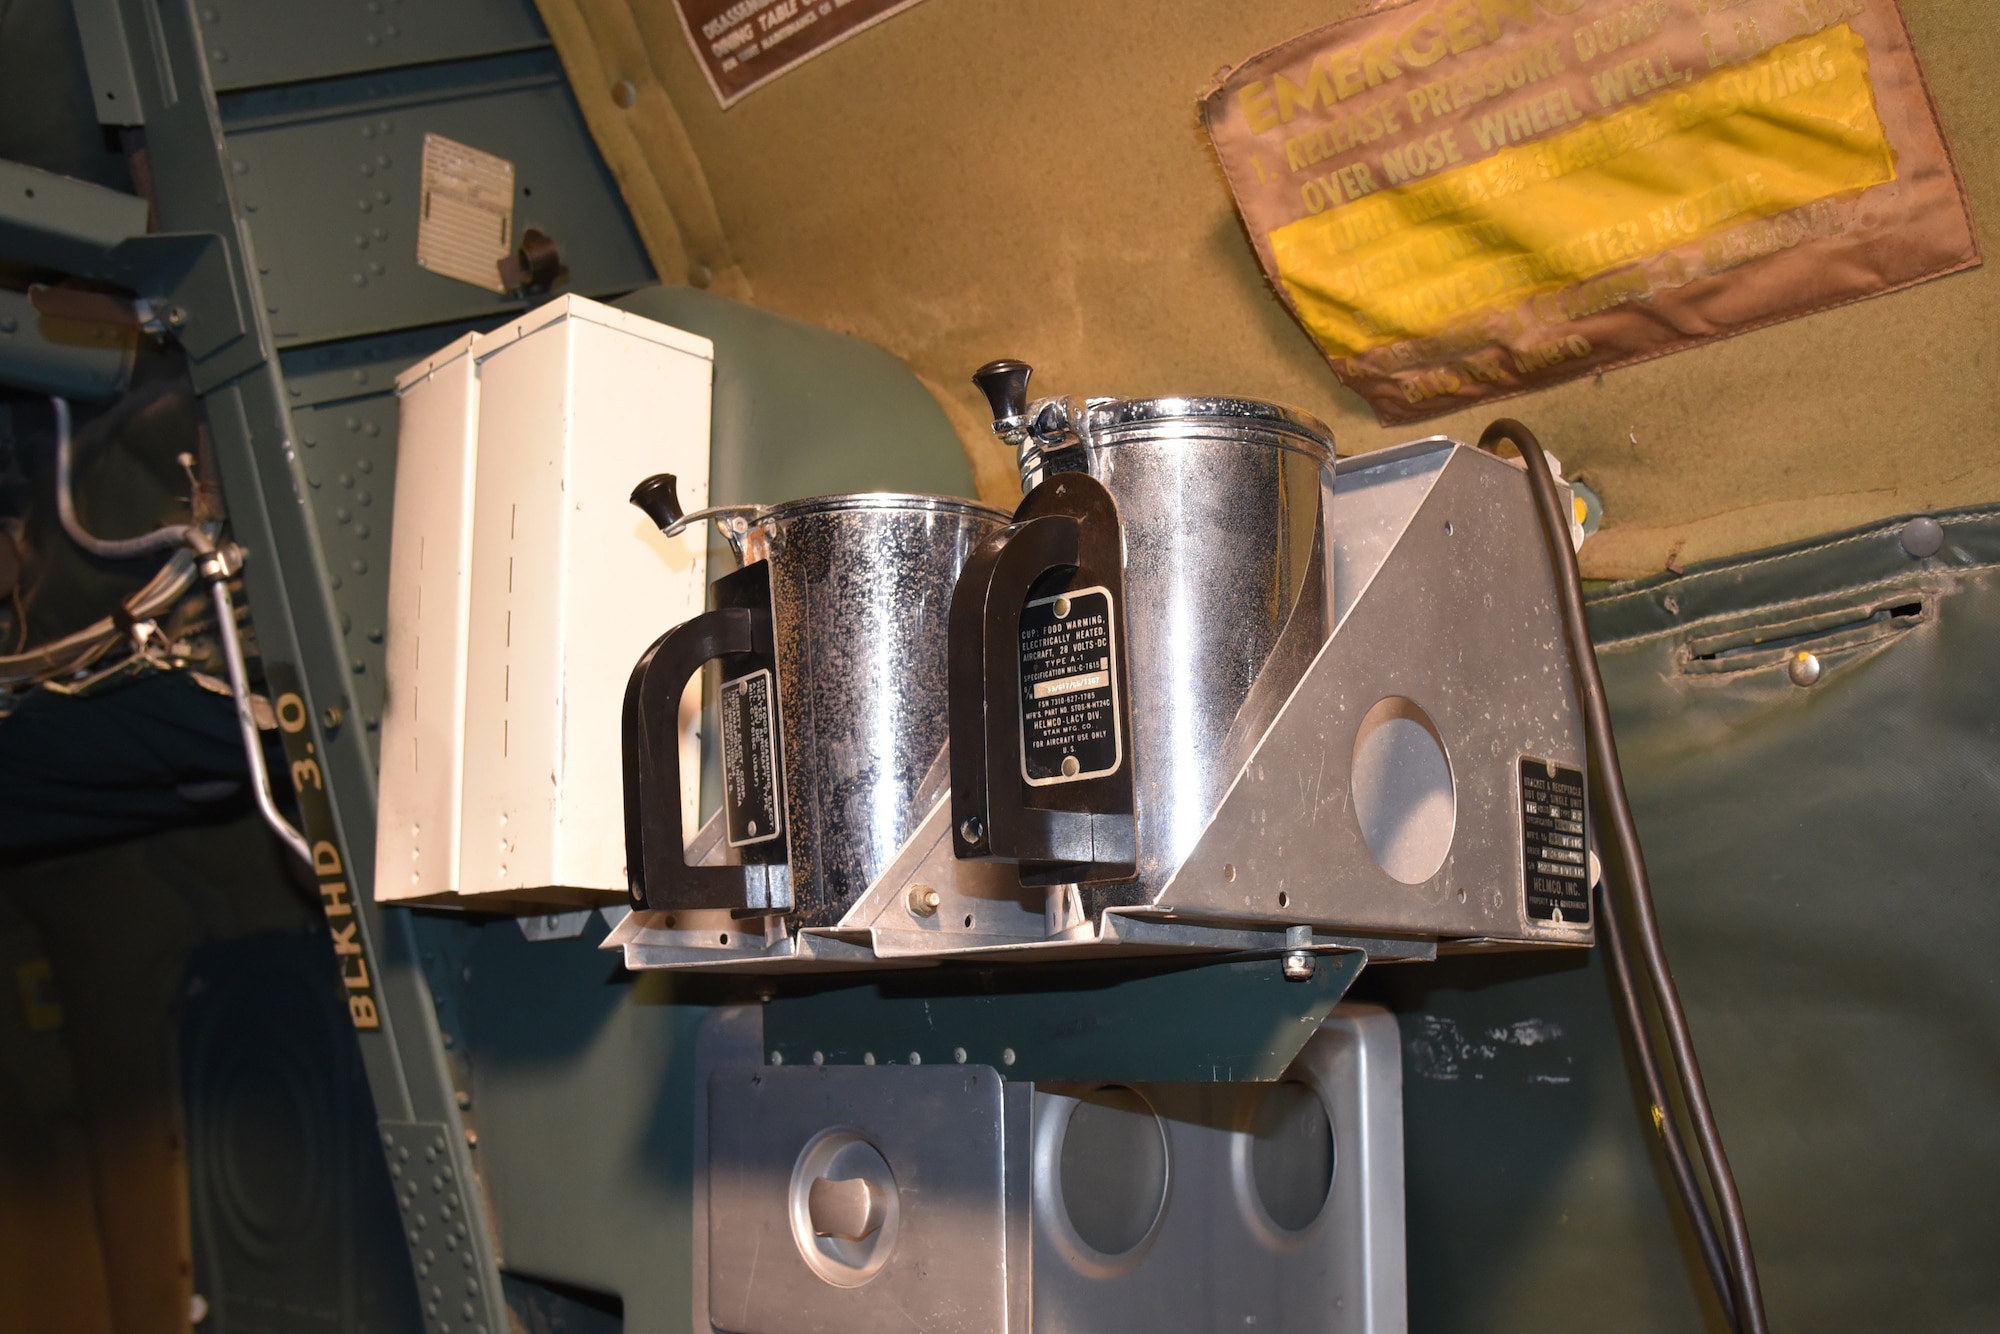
[1005,384]
[657,497]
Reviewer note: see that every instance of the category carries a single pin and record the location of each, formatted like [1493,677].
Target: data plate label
[1555,862]
[1069,689]
[750,792]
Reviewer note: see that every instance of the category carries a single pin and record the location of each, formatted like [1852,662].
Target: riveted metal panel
[446,1240]
[1240,1020]
[255,42]
[330,181]
[348,448]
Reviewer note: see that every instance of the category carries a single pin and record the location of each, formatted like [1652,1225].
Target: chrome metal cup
[860,589]
[830,698]
[1228,595]
[1221,501]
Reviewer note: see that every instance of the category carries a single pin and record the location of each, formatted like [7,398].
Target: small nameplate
[1069,710]
[750,796]
[1555,861]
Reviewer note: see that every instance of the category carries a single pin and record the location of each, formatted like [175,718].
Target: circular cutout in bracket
[1404,798]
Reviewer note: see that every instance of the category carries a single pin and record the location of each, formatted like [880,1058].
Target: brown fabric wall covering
[972,179]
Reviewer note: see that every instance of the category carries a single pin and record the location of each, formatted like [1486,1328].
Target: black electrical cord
[1666,1123]
[1603,751]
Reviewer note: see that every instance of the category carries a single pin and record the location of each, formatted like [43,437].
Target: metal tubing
[246,721]
[118,548]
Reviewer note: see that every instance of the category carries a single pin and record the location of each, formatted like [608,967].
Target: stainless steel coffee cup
[830,645]
[1219,506]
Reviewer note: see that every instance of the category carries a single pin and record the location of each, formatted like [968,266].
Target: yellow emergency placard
[1463,200]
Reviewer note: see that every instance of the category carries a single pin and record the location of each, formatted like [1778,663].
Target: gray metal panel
[1374,499]
[941,1131]
[1214,1260]
[254,42]
[330,182]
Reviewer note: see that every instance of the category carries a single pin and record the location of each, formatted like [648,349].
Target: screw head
[1804,669]
[1299,966]
[972,829]
[331,717]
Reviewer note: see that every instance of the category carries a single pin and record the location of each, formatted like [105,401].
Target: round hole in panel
[1113,1170]
[846,1228]
[1291,1155]
[1403,793]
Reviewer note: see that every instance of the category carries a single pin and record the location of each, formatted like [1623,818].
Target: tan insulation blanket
[971,179]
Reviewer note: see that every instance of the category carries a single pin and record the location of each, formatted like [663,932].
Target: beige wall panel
[974,178]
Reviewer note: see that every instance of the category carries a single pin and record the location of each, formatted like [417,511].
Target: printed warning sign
[466,223]
[743,43]
[1466,199]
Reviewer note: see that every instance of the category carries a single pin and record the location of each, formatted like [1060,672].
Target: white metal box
[430,565]
[565,583]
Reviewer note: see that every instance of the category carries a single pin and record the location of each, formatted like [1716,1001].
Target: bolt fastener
[1299,966]
[924,901]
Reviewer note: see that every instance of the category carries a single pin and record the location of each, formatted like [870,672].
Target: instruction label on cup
[1069,689]
[751,798]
